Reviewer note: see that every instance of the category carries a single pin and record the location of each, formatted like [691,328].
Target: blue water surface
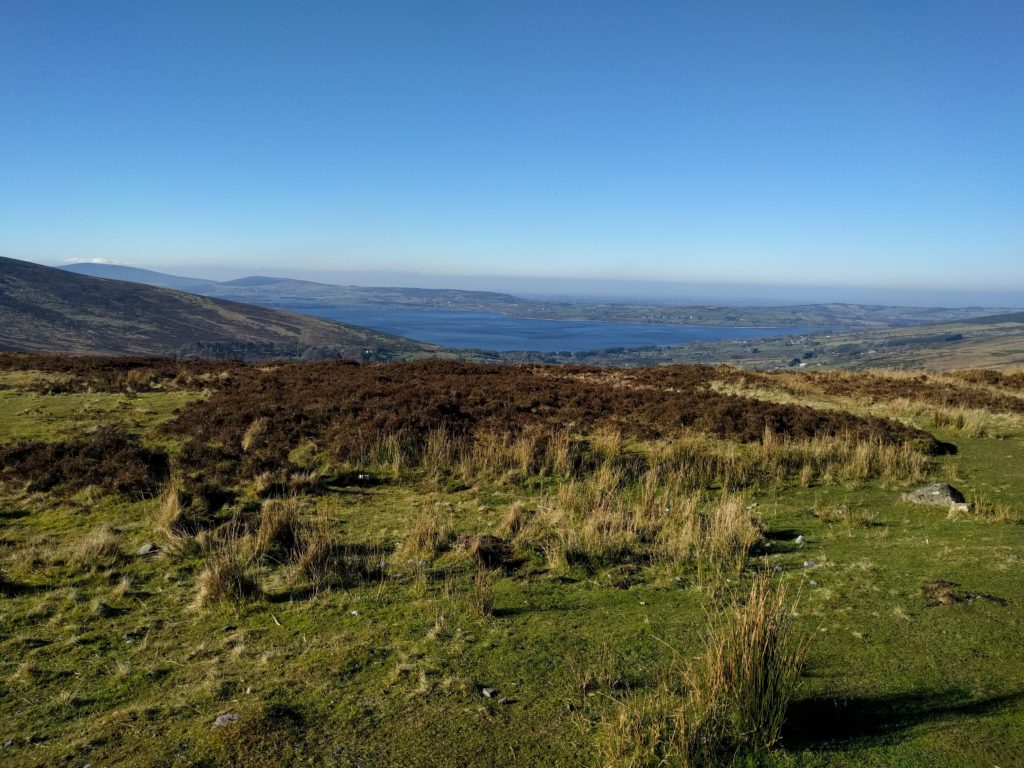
[502,333]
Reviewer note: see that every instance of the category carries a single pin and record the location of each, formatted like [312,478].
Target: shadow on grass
[19,588]
[823,723]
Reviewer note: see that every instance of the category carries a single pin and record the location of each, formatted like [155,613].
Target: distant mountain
[55,310]
[287,292]
[304,295]
[136,275]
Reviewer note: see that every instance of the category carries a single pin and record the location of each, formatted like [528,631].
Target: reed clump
[729,706]
[751,667]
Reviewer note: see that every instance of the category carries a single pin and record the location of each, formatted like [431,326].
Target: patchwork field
[441,564]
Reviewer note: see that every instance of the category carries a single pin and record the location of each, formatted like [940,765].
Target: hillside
[53,310]
[437,564]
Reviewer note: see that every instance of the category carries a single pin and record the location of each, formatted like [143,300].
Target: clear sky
[820,142]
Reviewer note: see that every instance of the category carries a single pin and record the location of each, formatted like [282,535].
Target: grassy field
[450,565]
[992,343]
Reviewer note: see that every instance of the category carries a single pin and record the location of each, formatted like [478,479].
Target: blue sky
[813,143]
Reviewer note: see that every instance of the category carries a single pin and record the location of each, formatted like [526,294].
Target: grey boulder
[226,718]
[936,495]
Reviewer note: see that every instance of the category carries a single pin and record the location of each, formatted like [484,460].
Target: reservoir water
[502,333]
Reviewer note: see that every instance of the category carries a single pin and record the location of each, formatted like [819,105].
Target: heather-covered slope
[52,310]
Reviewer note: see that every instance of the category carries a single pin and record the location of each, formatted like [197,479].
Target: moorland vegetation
[435,563]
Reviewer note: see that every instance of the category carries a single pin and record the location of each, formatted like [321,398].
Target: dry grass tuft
[483,591]
[315,554]
[717,539]
[731,705]
[279,529]
[431,535]
[751,667]
[646,730]
[256,429]
[225,574]
[985,509]
[100,546]
[515,521]
[172,516]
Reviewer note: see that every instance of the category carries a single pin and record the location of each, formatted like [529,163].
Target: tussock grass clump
[440,452]
[972,422]
[100,546]
[431,535]
[256,429]
[588,522]
[729,707]
[515,521]
[189,508]
[606,519]
[314,553]
[225,575]
[716,538]
[751,667]
[320,560]
[308,456]
[279,529]
[647,730]
[724,536]
[483,590]
[171,518]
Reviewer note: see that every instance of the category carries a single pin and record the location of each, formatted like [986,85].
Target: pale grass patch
[100,546]
[515,521]
[483,591]
[256,429]
[172,519]
[431,535]
[123,587]
[440,453]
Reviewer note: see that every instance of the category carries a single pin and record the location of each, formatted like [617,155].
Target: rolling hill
[305,295]
[291,293]
[53,310]
[144,276]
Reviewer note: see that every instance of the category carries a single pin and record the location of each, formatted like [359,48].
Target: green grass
[106,662]
[31,416]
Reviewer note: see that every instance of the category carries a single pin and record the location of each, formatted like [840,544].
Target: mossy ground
[105,661]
